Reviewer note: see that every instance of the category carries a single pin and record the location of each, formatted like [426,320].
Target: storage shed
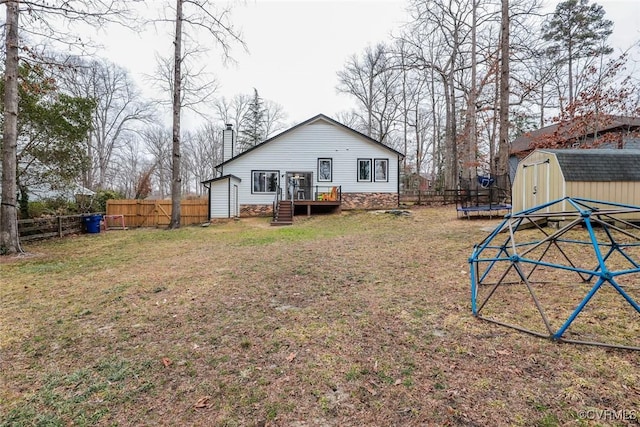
[223,196]
[599,174]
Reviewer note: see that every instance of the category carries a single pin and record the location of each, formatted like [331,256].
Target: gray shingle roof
[599,164]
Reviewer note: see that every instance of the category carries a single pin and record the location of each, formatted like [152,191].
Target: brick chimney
[228,143]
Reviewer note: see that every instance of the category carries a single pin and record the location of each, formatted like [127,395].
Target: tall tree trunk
[493,154]
[9,239]
[451,176]
[542,101]
[435,132]
[570,77]
[405,114]
[176,184]
[503,143]
[470,131]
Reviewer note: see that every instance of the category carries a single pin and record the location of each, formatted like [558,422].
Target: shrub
[99,202]
[52,206]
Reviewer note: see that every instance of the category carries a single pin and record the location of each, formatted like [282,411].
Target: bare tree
[502,167]
[9,239]
[237,112]
[157,141]
[353,120]
[53,20]
[232,111]
[204,152]
[274,118]
[199,15]
[119,109]
[436,41]
[131,164]
[374,80]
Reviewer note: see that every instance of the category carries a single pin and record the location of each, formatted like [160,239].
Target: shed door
[536,184]
[233,201]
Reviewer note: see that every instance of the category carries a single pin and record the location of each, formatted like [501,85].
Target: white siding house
[304,164]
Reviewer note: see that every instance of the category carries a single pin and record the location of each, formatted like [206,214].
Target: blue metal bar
[573,202]
[474,289]
[597,267]
[628,258]
[606,203]
[578,309]
[493,259]
[492,263]
[485,242]
[623,272]
[625,295]
[560,266]
[538,208]
[596,247]
[586,212]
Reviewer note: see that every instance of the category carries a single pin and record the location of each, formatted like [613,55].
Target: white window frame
[266,184]
[360,179]
[384,170]
[325,160]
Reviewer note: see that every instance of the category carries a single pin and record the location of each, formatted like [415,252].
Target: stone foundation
[369,201]
[349,201]
[255,210]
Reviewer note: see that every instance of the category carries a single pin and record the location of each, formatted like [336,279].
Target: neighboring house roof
[39,189]
[603,165]
[306,122]
[568,131]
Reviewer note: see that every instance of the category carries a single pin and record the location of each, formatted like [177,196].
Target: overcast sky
[296,47]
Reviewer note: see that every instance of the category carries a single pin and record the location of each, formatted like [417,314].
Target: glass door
[299,185]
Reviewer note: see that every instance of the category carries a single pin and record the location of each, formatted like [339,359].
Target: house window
[381,170]
[325,170]
[265,181]
[364,169]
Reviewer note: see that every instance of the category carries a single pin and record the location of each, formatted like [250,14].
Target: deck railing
[276,202]
[320,193]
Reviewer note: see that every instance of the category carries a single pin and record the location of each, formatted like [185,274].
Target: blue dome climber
[571,276]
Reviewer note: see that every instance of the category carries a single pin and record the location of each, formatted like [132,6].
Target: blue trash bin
[92,223]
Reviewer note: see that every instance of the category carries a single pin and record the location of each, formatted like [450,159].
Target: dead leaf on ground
[291,356]
[166,362]
[203,403]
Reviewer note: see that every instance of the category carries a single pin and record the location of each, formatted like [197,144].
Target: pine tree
[253,122]
[577,30]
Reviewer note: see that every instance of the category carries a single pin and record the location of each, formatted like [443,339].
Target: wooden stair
[284,213]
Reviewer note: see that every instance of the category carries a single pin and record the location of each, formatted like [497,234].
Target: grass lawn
[339,320]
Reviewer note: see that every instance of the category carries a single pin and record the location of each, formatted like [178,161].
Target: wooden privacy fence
[157,213]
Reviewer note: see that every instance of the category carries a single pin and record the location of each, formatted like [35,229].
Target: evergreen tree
[253,123]
[577,30]
[52,128]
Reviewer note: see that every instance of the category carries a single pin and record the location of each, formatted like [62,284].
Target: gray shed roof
[599,165]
